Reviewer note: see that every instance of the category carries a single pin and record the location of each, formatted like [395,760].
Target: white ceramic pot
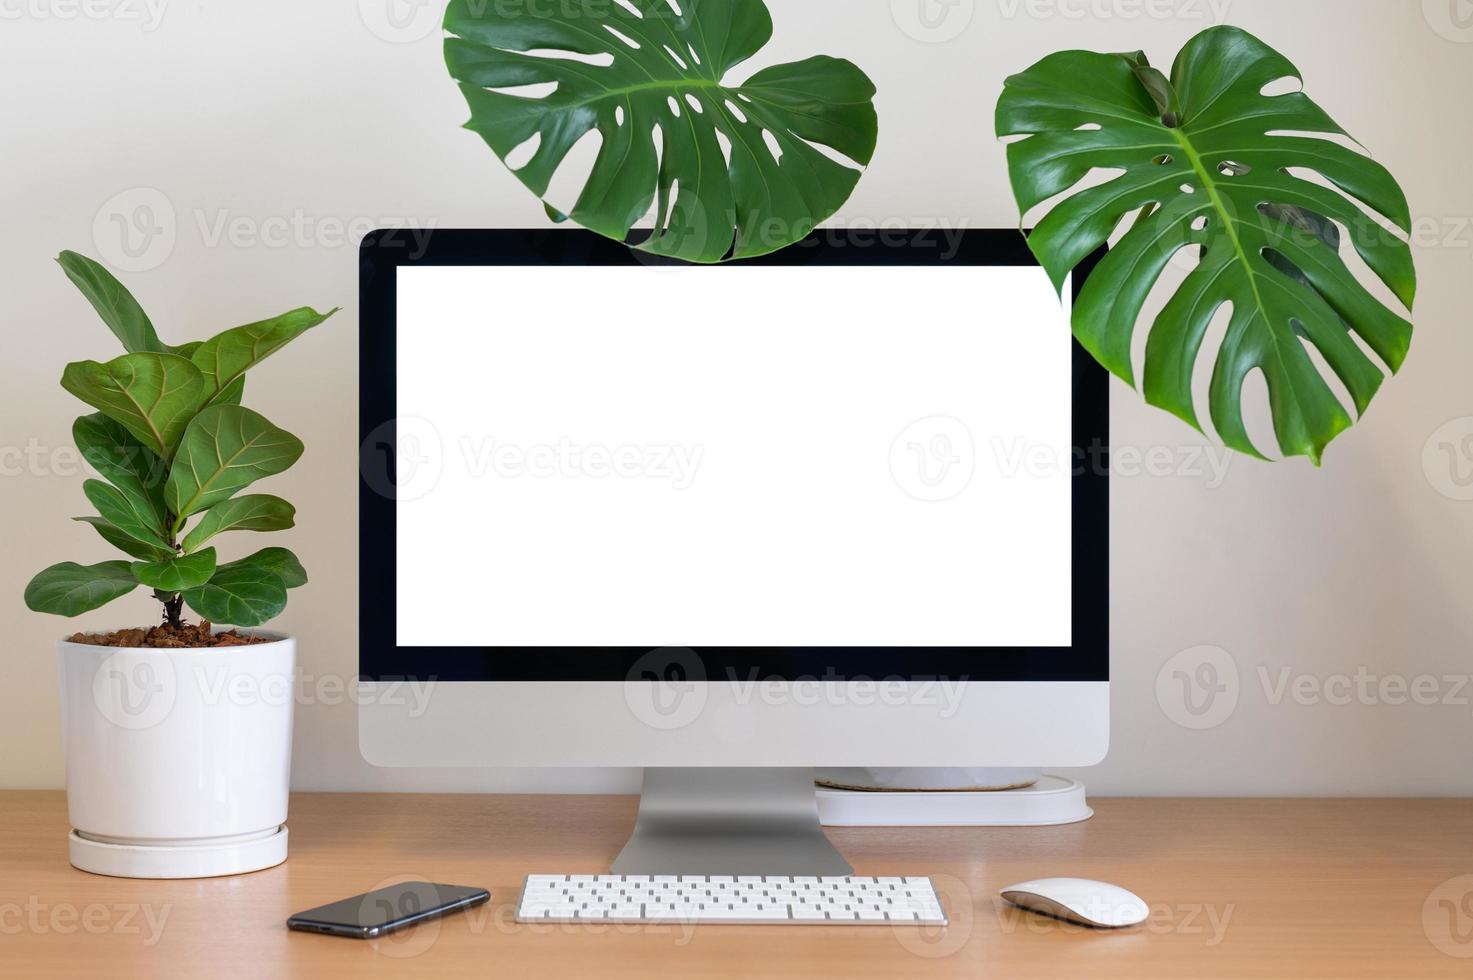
[178,762]
[928,780]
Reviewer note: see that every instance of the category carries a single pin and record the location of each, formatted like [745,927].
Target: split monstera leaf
[173,444]
[731,171]
[1257,189]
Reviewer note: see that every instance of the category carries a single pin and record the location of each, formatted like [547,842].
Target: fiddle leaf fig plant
[1254,187]
[731,169]
[173,445]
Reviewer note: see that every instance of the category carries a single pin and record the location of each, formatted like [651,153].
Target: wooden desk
[1243,888]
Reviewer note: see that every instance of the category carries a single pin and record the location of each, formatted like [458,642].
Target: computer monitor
[844,505]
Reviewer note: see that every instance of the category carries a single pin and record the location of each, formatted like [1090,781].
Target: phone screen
[386,909]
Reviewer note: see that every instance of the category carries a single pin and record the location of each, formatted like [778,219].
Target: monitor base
[1051,802]
[729,822]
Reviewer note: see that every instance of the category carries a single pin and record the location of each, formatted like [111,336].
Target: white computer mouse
[1089,903]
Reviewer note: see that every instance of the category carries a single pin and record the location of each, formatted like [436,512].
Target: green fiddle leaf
[70,589]
[125,514]
[1205,159]
[125,544]
[231,394]
[735,170]
[259,512]
[225,449]
[124,462]
[240,594]
[277,560]
[117,307]
[177,574]
[153,396]
[225,359]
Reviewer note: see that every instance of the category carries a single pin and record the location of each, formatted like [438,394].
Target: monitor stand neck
[729,822]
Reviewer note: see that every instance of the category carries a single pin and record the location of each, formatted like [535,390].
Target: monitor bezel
[383,253]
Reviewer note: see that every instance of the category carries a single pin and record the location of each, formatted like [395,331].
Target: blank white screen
[734,457]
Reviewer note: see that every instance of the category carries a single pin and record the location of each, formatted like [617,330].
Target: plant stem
[173,610]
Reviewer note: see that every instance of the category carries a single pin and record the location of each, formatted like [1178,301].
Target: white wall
[287,115]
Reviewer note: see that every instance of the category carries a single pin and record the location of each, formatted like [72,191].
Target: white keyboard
[730,900]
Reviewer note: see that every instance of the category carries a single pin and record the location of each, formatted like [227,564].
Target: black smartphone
[381,912]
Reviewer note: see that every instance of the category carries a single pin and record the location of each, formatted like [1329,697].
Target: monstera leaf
[732,169]
[1207,162]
